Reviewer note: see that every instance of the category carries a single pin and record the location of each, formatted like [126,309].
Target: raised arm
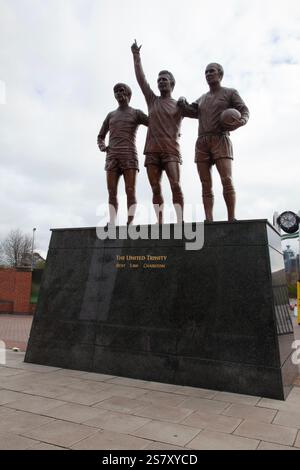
[139,73]
[102,134]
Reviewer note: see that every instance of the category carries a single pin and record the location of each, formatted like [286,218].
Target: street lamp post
[32,246]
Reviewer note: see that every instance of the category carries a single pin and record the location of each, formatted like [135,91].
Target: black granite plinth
[215,318]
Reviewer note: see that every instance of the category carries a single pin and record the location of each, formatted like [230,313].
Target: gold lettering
[156,258]
[154,266]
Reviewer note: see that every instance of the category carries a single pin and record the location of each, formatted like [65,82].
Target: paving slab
[287,419]
[163,387]
[251,412]
[34,404]
[126,392]
[97,377]
[118,422]
[162,398]
[129,382]
[46,390]
[237,398]
[212,422]
[74,413]
[198,392]
[268,432]
[19,422]
[9,372]
[9,396]
[61,433]
[176,434]
[202,404]
[209,440]
[20,382]
[270,446]
[84,398]
[172,414]
[10,441]
[5,411]
[111,440]
[124,405]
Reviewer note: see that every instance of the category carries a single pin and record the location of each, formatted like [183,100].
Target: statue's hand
[182,102]
[102,147]
[135,49]
[236,123]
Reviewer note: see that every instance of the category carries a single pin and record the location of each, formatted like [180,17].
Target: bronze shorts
[121,164]
[212,147]
[160,159]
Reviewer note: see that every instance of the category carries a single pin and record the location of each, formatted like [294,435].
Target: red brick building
[15,290]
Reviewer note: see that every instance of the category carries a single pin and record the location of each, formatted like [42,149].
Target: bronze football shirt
[122,125]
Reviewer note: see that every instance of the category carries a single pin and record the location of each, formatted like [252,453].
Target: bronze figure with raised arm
[121,153]
[162,151]
[213,145]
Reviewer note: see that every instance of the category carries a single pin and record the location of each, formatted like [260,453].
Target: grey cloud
[60,60]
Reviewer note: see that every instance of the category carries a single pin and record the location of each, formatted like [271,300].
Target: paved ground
[15,329]
[50,408]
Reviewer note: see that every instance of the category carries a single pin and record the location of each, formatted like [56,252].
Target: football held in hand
[229,117]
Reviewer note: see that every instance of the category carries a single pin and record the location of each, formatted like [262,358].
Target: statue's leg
[112,180]
[130,181]
[154,173]
[204,171]
[173,172]
[224,168]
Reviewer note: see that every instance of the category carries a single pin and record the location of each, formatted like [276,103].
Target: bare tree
[15,249]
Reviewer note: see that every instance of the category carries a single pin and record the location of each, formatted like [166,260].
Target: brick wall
[15,286]
[7,284]
[6,307]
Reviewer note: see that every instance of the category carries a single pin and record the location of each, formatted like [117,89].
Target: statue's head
[165,81]
[214,72]
[122,93]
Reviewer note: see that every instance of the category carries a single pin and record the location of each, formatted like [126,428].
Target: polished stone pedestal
[215,318]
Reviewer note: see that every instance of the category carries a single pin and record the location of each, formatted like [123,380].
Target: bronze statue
[161,150]
[121,151]
[213,145]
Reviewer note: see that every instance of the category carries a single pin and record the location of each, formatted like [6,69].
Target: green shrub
[292,288]
[34,298]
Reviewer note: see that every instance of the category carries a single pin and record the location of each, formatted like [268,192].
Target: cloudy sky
[59,60]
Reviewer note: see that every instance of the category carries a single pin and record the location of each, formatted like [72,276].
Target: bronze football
[229,116]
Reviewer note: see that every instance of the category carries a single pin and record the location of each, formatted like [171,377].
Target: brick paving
[14,330]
